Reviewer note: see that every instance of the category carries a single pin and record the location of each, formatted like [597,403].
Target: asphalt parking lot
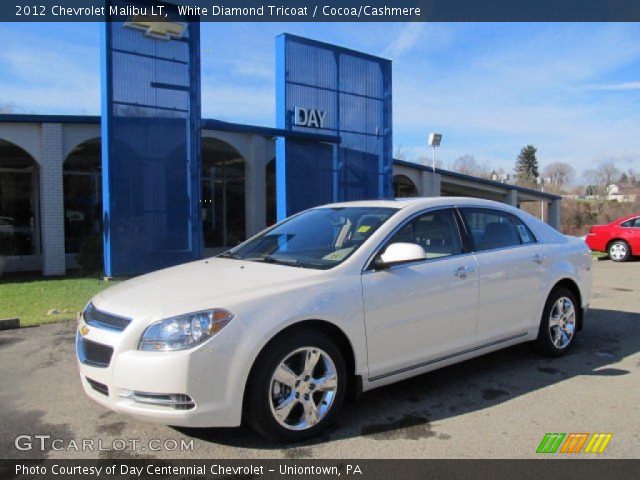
[496,406]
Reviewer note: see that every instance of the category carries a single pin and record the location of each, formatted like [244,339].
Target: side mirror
[400,253]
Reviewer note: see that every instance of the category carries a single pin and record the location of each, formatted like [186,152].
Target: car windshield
[320,238]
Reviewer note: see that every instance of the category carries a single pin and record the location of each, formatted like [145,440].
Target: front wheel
[619,251]
[297,387]
[558,324]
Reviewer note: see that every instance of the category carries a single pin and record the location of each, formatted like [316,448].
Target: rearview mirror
[400,253]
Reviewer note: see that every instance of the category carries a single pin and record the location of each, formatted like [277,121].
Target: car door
[512,268]
[631,233]
[418,312]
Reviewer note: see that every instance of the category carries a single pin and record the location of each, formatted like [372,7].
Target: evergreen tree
[527,165]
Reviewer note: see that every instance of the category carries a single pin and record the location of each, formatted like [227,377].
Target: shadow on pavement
[408,409]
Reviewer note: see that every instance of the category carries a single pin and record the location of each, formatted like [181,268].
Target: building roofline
[35,118]
[207,123]
[471,178]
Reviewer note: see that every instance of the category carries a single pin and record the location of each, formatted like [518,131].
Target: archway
[223,194]
[82,180]
[404,187]
[19,202]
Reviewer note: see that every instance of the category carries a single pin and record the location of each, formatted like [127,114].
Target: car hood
[211,283]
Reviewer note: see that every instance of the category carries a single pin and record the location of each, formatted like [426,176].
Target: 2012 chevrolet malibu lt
[341,298]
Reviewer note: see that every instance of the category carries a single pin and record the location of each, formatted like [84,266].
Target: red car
[620,238]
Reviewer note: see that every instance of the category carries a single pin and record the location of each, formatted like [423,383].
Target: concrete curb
[9,324]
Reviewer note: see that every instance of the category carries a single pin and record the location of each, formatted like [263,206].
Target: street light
[434,142]
[541,181]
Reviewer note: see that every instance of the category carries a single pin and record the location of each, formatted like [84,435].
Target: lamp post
[434,142]
[541,181]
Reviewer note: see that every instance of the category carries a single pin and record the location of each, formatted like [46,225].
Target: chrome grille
[99,319]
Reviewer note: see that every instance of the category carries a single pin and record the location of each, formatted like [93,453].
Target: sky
[572,90]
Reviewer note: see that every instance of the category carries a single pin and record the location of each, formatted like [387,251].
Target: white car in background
[344,297]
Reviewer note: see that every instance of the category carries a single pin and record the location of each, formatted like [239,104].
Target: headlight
[184,331]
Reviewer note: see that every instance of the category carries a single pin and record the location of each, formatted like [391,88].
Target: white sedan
[341,298]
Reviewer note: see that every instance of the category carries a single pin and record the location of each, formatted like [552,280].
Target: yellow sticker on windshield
[364,228]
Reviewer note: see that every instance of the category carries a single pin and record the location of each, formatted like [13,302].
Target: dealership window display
[18,202]
[82,178]
[223,194]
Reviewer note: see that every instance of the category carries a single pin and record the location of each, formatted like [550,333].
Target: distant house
[623,194]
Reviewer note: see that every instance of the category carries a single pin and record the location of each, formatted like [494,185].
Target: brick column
[431,186]
[52,199]
[554,217]
[511,198]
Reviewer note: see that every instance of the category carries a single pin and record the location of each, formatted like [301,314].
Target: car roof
[420,202]
[626,217]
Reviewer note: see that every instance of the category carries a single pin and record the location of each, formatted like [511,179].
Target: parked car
[341,298]
[620,239]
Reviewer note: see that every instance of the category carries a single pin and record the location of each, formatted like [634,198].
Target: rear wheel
[558,325]
[619,251]
[297,387]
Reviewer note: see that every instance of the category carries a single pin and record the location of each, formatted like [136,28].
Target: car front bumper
[189,388]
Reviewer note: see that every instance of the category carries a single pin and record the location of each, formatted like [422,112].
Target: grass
[31,299]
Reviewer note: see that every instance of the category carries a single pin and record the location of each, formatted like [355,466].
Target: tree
[465,164]
[607,172]
[598,180]
[560,173]
[401,153]
[527,165]
[7,107]
[468,165]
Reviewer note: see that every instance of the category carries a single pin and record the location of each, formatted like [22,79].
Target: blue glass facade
[151,145]
[325,89]
[334,136]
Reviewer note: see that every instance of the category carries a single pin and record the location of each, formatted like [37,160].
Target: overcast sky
[572,90]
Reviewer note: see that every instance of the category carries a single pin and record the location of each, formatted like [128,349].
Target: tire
[294,398]
[619,251]
[557,329]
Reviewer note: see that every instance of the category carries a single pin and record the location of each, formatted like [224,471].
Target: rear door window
[493,229]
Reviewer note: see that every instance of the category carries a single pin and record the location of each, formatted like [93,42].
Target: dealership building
[157,184]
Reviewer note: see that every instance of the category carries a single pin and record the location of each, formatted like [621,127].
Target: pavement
[496,406]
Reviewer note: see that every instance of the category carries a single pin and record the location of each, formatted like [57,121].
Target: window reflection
[82,195]
[19,234]
[223,194]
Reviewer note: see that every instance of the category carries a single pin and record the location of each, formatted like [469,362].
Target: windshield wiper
[294,262]
[229,254]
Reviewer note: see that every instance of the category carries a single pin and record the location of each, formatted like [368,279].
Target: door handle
[463,271]
[539,259]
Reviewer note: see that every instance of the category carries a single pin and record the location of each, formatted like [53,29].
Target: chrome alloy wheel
[302,388]
[562,322]
[618,251]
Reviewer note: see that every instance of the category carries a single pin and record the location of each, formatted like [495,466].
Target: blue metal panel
[353,90]
[151,148]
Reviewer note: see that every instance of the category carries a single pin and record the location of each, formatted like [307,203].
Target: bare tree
[465,164]
[608,172]
[560,173]
[598,180]
[401,153]
[468,165]
[8,107]
[425,160]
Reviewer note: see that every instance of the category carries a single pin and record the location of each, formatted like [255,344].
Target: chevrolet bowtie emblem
[162,30]
[84,330]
